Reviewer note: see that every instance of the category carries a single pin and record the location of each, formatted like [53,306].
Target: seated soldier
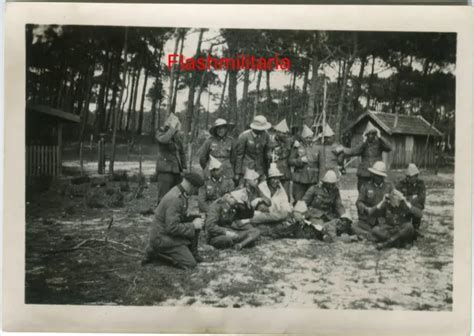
[371,195]
[173,235]
[394,227]
[413,188]
[272,206]
[215,187]
[325,206]
[222,228]
[250,184]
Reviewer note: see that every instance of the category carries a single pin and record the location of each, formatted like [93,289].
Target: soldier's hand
[236,179]
[304,159]
[231,235]
[198,223]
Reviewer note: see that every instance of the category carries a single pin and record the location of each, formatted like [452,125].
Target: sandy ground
[75,256]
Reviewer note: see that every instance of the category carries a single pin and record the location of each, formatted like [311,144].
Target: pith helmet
[251,174]
[412,170]
[301,207]
[306,132]
[330,177]
[274,171]
[378,169]
[214,163]
[173,121]
[327,131]
[347,216]
[240,195]
[282,127]
[260,123]
[219,122]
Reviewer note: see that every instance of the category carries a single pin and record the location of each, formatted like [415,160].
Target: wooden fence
[43,161]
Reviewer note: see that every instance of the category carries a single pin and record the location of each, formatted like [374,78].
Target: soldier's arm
[422,195]
[182,153]
[240,152]
[212,221]
[204,153]
[165,137]
[294,159]
[414,210]
[202,199]
[354,151]
[339,207]
[233,156]
[360,203]
[228,186]
[173,225]
[385,144]
[309,195]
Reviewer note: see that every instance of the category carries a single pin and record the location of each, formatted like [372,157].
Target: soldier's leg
[268,217]
[165,181]
[363,230]
[179,256]
[250,236]
[299,189]
[404,235]
[286,186]
[380,233]
[221,242]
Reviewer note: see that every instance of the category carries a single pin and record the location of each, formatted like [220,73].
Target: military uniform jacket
[212,190]
[369,153]
[220,216]
[329,159]
[251,152]
[171,157]
[369,196]
[223,149]
[414,192]
[305,172]
[279,152]
[323,202]
[393,217]
[170,227]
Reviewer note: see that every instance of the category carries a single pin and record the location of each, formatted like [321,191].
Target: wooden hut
[413,139]
[44,140]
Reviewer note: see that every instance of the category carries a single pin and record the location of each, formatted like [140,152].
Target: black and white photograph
[239,168]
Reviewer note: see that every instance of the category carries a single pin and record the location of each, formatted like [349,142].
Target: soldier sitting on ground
[394,227]
[173,235]
[274,206]
[222,226]
[413,188]
[214,187]
[370,196]
[326,208]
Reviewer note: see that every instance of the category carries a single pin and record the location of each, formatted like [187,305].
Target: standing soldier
[330,158]
[279,153]
[413,188]
[370,200]
[173,235]
[214,187]
[221,146]
[325,206]
[370,151]
[171,158]
[304,158]
[252,146]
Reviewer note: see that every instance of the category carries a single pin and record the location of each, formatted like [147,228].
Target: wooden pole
[60,148]
[81,158]
[140,159]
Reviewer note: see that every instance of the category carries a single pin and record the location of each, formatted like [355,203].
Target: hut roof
[401,124]
[59,115]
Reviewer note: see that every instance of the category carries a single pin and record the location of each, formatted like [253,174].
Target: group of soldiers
[271,182]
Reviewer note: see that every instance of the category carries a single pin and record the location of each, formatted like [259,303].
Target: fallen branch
[105,240]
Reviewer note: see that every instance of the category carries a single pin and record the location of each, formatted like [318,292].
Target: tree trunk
[133,123]
[153,117]
[358,85]
[269,93]
[122,108]
[257,93]
[132,92]
[233,96]
[192,85]
[221,102]
[85,107]
[178,74]
[342,96]
[171,79]
[245,95]
[142,104]
[308,118]
[371,84]
[117,108]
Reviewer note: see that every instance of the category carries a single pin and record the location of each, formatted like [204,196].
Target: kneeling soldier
[325,205]
[215,187]
[394,228]
[413,188]
[222,226]
[173,236]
